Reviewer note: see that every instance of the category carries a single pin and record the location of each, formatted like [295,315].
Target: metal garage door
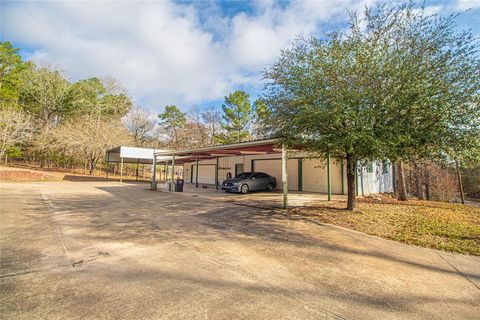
[315,176]
[206,173]
[274,168]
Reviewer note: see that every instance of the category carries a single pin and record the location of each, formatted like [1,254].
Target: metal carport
[134,155]
[267,146]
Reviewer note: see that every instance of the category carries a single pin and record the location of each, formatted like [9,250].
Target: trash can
[179,185]
[153,185]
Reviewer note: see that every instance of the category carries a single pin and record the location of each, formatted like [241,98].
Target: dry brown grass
[444,226]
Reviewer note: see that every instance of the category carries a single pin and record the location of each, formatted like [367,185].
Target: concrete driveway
[104,250]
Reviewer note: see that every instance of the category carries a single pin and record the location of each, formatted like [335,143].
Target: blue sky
[188,53]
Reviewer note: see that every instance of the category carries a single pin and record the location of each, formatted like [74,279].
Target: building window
[369,166]
[385,165]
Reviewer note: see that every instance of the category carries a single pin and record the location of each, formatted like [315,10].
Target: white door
[314,172]
[206,174]
[274,168]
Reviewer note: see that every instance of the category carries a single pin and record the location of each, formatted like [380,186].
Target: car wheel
[244,188]
[270,186]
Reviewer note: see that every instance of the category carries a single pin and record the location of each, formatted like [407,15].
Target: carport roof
[131,155]
[265,146]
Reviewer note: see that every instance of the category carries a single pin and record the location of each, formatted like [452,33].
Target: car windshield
[244,175]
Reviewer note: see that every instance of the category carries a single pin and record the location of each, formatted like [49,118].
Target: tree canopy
[237,116]
[172,119]
[11,67]
[405,85]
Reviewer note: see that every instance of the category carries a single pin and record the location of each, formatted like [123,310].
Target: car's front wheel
[244,188]
[270,187]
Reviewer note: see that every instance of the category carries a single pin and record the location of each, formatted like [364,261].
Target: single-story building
[212,165]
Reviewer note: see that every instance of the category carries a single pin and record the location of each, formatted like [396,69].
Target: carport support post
[153,184]
[136,173]
[356,177]
[284,176]
[329,188]
[173,174]
[361,181]
[121,169]
[196,172]
[216,173]
[165,170]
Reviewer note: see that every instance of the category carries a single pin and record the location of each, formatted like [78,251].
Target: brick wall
[24,175]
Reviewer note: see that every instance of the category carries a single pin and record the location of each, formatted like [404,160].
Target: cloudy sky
[181,52]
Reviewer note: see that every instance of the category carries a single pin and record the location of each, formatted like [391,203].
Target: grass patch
[443,226]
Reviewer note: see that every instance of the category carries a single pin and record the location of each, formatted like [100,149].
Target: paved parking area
[105,250]
[262,199]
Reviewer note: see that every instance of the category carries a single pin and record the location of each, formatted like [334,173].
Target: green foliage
[386,89]
[237,116]
[262,115]
[172,120]
[55,119]
[320,95]
[262,112]
[428,85]
[11,66]
[14,152]
[94,96]
[45,94]
[389,90]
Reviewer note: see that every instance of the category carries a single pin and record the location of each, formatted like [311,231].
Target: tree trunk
[394,178]
[427,185]
[419,181]
[409,182]
[402,191]
[460,184]
[91,167]
[351,169]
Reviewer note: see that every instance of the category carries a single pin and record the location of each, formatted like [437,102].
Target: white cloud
[164,52]
[468,4]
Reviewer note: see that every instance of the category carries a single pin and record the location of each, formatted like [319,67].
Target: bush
[444,184]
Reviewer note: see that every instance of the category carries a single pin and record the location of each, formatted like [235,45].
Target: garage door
[315,176]
[206,174]
[274,168]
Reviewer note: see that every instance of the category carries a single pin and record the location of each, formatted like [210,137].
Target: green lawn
[444,226]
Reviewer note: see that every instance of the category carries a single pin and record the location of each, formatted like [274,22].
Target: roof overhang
[257,147]
[131,155]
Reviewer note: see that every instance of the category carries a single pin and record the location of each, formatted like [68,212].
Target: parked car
[249,181]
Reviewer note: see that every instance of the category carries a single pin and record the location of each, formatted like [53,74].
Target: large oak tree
[398,84]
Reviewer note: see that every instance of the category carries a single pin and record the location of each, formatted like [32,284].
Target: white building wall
[314,173]
[376,181]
